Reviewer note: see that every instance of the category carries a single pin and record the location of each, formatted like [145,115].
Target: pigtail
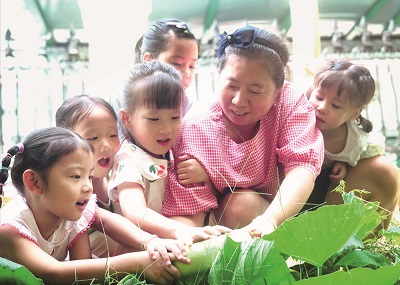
[5,163]
[138,50]
[365,124]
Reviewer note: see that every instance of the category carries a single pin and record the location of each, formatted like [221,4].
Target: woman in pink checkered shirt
[258,144]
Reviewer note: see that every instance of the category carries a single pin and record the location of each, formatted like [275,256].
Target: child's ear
[356,113]
[125,118]
[32,181]
[147,56]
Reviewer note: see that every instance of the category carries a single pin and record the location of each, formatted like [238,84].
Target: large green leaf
[362,258]
[250,262]
[262,261]
[371,218]
[386,275]
[315,236]
[223,268]
[14,273]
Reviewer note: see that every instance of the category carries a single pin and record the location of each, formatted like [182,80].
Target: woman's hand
[260,226]
[190,234]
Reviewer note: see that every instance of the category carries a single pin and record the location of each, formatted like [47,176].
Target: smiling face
[69,186]
[153,130]
[182,54]
[247,91]
[99,128]
[331,110]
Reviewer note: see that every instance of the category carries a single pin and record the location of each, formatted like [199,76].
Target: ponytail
[138,50]
[365,124]
[5,163]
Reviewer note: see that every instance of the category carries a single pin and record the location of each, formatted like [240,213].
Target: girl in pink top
[258,143]
[45,228]
[341,90]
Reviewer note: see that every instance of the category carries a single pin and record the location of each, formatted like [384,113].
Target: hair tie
[179,25]
[9,155]
[5,168]
[20,148]
[1,184]
[241,38]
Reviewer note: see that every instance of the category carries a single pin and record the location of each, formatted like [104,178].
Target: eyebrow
[179,56]
[251,84]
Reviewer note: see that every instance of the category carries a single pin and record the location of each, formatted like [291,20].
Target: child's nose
[166,128]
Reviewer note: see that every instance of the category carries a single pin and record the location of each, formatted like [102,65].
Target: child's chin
[101,173]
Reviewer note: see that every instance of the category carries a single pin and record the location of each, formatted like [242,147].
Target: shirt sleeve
[300,143]
[126,168]
[185,200]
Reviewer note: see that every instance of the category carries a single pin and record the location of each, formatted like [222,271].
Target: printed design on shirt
[132,147]
[158,169]
[118,168]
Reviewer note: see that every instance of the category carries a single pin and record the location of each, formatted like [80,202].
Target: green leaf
[262,263]
[386,275]
[250,262]
[223,268]
[371,219]
[362,258]
[353,241]
[392,233]
[315,236]
[14,273]
[131,279]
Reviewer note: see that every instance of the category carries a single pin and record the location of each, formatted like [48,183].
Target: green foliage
[14,273]
[131,279]
[331,245]
[250,262]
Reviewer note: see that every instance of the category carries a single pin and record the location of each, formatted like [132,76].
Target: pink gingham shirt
[287,138]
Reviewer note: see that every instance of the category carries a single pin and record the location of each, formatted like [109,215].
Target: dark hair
[353,80]
[40,151]
[152,84]
[77,108]
[158,36]
[269,49]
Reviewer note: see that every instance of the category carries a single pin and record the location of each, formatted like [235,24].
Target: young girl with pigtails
[341,90]
[94,119]
[45,228]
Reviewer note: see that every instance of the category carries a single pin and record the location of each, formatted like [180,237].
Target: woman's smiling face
[247,91]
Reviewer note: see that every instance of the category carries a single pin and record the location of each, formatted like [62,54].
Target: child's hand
[190,234]
[190,171]
[161,247]
[339,172]
[158,272]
